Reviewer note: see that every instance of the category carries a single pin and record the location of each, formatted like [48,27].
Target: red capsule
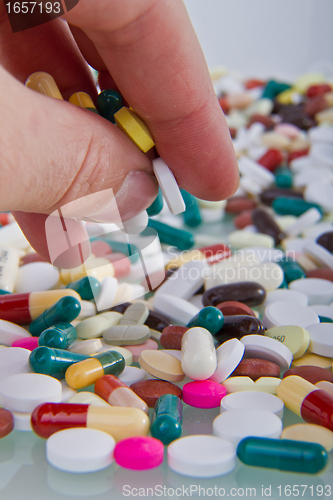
[315,90]
[297,154]
[234,308]
[6,422]
[323,273]
[244,219]
[265,120]
[238,204]
[271,159]
[315,105]
[253,83]
[216,253]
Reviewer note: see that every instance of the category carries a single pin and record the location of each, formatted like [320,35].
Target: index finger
[152,53]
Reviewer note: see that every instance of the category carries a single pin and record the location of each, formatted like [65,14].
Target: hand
[54,152]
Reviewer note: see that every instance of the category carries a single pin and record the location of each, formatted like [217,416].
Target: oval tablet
[263,384]
[310,433]
[203,394]
[235,425]
[229,355]
[151,390]
[253,399]
[312,374]
[288,313]
[296,338]
[139,453]
[201,456]
[136,350]
[161,365]
[36,277]
[256,368]
[25,391]
[309,359]
[10,332]
[80,450]
[126,335]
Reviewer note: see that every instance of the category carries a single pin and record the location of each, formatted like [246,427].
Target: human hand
[54,153]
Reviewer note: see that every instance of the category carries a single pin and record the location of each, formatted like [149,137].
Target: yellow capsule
[44,84]
[88,371]
[135,128]
[293,390]
[120,422]
[40,301]
[82,100]
[286,97]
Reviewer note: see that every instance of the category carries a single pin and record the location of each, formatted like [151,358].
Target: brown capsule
[312,374]
[238,204]
[234,308]
[171,337]
[326,241]
[243,220]
[248,292]
[157,321]
[151,390]
[265,224]
[268,196]
[235,327]
[256,368]
[265,120]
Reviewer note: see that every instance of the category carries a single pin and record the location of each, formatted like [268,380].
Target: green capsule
[293,206]
[210,318]
[274,88]
[283,177]
[59,336]
[325,319]
[4,292]
[192,216]
[157,205]
[172,236]
[88,288]
[292,270]
[282,454]
[166,422]
[53,362]
[65,310]
[108,103]
[129,250]
[113,362]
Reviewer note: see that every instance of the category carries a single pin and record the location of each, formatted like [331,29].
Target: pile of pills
[211,305]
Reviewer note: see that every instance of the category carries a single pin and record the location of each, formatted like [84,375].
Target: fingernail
[137,193]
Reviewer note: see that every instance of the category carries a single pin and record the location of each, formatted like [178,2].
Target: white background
[265,38]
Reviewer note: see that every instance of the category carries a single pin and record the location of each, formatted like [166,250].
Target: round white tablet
[254,400]
[326,311]
[288,313]
[24,391]
[36,277]
[321,339]
[229,355]
[169,186]
[283,294]
[10,332]
[22,421]
[235,425]
[132,374]
[80,450]
[14,360]
[318,291]
[259,346]
[201,456]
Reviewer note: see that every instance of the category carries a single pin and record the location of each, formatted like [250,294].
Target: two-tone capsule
[116,393]
[120,423]
[87,372]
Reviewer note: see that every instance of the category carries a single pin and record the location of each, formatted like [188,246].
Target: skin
[54,152]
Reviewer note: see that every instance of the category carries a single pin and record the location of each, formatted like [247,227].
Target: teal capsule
[192,216]
[113,363]
[88,288]
[293,206]
[172,236]
[157,205]
[59,336]
[53,362]
[292,270]
[274,88]
[325,319]
[282,454]
[210,318]
[65,310]
[4,292]
[283,177]
[108,103]
[127,249]
[166,422]
[284,283]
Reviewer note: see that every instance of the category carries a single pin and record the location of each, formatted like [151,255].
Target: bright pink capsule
[29,343]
